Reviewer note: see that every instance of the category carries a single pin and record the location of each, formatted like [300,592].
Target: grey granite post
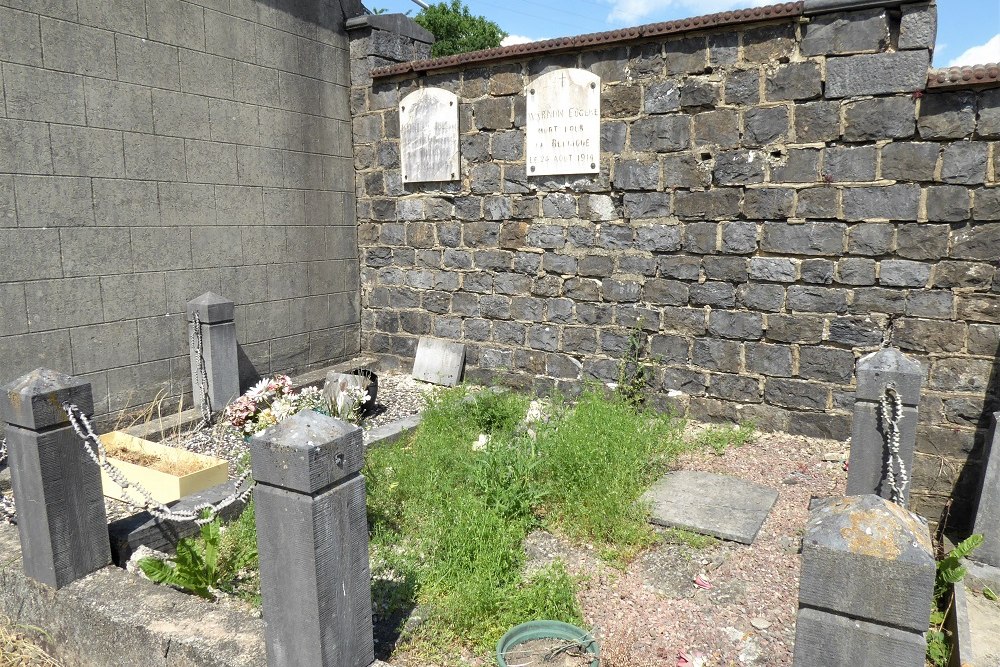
[218,336]
[869,452]
[57,487]
[866,586]
[988,513]
[312,536]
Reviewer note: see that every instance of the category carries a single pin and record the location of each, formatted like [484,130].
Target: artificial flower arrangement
[270,401]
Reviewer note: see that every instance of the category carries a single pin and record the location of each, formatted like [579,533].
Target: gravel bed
[399,396]
[653,613]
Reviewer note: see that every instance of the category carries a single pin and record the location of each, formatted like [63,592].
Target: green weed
[634,372]
[215,560]
[949,572]
[719,438]
[195,566]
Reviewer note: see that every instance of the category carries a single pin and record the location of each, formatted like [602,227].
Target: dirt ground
[654,613]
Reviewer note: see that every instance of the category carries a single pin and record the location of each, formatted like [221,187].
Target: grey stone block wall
[151,151]
[867,213]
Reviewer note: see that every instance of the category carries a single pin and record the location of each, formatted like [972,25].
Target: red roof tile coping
[734,17]
[957,77]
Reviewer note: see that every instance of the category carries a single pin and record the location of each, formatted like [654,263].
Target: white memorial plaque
[428,136]
[563,134]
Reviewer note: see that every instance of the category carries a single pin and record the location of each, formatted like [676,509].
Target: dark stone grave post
[887,369]
[221,374]
[866,587]
[312,536]
[57,487]
[988,512]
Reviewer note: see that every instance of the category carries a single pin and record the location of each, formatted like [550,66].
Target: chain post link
[891,417]
[197,344]
[7,511]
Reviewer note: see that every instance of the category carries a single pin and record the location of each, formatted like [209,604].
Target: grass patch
[448,519]
[597,458]
[689,538]
[719,438]
[448,512]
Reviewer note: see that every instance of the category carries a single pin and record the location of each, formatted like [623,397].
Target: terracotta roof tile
[735,17]
[963,76]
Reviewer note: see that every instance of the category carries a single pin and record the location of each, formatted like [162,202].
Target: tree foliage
[457,30]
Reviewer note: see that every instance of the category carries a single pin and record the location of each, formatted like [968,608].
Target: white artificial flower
[257,390]
[282,408]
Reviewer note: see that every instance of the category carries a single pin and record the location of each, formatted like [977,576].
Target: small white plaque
[428,136]
[439,361]
[563,133]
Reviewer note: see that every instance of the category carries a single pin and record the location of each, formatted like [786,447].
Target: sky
[968,30]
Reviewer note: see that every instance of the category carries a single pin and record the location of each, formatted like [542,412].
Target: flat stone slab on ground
[983,639]
[717,505]
[439,361]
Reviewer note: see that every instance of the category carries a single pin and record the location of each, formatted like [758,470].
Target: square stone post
[218,340]
[312,537]
[57,487]
[866,586]
[988,512]
[869,452]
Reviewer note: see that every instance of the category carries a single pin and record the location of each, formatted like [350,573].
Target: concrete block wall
[775,199]
[153,150]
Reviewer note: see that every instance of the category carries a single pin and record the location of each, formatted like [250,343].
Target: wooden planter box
[195,472]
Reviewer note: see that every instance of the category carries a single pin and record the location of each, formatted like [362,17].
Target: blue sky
[968,30]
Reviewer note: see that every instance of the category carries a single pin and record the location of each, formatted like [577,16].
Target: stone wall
[152,150]
[775,199]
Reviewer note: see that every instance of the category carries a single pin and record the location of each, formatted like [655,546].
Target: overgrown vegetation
[449,509]
[449,515]
[949,572]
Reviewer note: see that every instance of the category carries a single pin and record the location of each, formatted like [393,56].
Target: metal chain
[891,417]
[201,513]
[7,511]
[197,344]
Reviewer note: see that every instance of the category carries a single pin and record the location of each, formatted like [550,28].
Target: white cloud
[980,55]
[633,11]
[510,40]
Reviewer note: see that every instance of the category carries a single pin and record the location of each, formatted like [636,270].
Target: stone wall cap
[813,7]
[562,44]
[400,24]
